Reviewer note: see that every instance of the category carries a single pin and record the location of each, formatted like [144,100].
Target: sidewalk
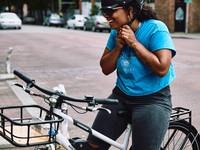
[185,35]
[6,98]
[6,94]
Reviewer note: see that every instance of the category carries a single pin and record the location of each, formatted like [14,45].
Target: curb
[4,77]
[185,36]
[5,144]
[24,98]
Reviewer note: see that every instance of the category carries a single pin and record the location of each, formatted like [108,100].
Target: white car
[76,21]
[10,20]
[96,22]
[54,19]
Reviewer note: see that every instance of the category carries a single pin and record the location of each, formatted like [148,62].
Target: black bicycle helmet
[110,4]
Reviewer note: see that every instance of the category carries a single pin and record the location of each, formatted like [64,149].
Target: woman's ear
[130,13]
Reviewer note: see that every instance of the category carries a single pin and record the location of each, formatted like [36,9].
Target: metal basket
[24,130]
[180,113]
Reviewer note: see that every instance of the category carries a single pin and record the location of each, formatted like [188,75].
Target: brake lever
[19,85]
[104,109]
[26,89]
[92,109]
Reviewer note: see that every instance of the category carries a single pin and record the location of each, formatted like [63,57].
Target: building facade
[179,15]
[39,8]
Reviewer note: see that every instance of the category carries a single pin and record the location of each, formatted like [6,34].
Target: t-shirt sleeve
[162,40]
[111,40]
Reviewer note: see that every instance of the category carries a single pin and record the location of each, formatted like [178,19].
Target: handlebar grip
[106,101]
[23,77]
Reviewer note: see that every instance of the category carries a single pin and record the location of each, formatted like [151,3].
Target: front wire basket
[23,130]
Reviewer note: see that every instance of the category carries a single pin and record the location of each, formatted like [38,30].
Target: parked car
[10,20]
[54,20]
[76,21]
[96,22]
[29,20]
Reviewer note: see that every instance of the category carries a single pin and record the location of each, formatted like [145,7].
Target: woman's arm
[158,62]
[109,59]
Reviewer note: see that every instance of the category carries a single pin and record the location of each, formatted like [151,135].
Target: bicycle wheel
[181,136]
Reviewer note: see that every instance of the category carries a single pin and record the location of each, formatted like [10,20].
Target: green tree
[95,10]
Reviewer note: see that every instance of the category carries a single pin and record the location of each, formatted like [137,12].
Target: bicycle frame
[63,134]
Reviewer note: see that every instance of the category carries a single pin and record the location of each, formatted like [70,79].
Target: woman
[140,49]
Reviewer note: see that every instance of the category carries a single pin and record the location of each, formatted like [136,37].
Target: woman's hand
[128,35]
[120,42]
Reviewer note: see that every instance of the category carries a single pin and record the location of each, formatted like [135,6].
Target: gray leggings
[149,116]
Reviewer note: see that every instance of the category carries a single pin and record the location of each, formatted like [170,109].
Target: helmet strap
[131,16]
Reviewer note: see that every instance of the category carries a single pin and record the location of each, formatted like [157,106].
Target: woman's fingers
[127,27]
[126,31]
[127,34]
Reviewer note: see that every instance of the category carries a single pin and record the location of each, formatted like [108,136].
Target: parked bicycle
[48,128]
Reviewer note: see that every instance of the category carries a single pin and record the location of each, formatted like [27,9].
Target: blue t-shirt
[133,77]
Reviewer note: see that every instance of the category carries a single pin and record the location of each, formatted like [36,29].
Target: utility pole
[187,14]
[59,6]
[92,7]
[187,18]
[80,6]
[52,5]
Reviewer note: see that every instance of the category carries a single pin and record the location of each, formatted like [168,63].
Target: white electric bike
[47,129]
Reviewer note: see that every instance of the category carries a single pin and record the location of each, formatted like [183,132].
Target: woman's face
[117,18]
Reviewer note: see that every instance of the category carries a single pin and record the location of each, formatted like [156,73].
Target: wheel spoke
[180,136]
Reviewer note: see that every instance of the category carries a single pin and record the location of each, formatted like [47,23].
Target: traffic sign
[188,1]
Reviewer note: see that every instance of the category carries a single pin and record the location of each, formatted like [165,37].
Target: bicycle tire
[181,135]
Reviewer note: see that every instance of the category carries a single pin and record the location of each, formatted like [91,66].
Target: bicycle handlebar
[31,83]
[23,77]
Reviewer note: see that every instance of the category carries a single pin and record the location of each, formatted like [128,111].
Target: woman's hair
[146,13]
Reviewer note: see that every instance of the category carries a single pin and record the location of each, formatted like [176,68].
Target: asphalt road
[71,57]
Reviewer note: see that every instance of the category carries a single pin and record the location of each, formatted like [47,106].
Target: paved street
[53,56]
[71,57]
